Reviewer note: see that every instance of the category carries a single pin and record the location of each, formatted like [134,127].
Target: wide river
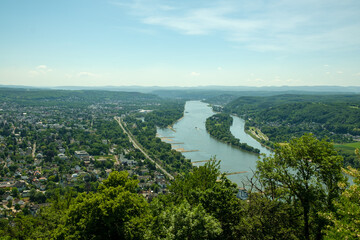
[190,135]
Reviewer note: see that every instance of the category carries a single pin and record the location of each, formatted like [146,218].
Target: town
[47,147]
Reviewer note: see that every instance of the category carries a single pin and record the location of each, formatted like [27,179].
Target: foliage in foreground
[346,217]
[299,196]
[307,174]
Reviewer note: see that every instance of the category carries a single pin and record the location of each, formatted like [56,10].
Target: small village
[45,150]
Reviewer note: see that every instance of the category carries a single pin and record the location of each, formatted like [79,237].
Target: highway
[138,146]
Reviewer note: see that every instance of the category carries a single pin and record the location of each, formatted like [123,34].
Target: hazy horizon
[180,44]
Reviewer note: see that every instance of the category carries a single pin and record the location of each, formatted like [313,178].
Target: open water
[190,135]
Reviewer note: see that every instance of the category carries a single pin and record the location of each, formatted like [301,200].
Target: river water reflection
[191,136]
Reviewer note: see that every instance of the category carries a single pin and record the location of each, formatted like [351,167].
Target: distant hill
[349,89]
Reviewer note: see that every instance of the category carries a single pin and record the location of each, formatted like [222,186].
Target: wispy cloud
[40,70]
[259,25]
[194,74]
[204,21]
[87,74]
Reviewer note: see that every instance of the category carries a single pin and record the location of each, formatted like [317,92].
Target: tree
[122,179]
[36,196]
[9,204]
[264,218]
[114,212]
[345,221]
[185,222]
[305,172]
[206,186]
[15,192]
[17,206]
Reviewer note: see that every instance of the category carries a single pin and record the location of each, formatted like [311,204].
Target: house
[160,176]
[62,156]
[20,185]
[6,184]
[18,201]
[9,198]
[162,183]
[25,193]
[42,179]
[108,171]
[145,111]
[83,155]
[144,178]
[34,208]
[24,178]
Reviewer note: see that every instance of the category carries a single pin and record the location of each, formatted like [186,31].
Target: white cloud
[219,68]
[194,74]
[339,72]
[42,67]
[40,70]
[87,74]
[203,21]
[259,25]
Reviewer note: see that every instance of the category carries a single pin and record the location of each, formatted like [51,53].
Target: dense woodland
[76,98]
[167,115]
[282,117]
[218,127]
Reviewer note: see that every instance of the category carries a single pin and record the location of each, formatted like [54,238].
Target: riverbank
[254,136]
[171,127]
[218,126]
[191,134]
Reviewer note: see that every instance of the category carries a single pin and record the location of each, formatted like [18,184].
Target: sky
[180,43]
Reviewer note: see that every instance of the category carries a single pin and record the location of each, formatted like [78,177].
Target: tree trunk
[306,220]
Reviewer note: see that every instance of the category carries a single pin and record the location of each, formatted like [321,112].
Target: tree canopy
[306,173]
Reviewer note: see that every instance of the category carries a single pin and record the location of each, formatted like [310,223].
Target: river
[190,135]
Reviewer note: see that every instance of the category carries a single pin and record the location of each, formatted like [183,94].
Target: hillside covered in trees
[282,117]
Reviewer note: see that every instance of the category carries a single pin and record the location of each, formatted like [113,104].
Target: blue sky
[180,43]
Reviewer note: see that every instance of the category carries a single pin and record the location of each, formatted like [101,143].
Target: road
[33,150]
[138,146]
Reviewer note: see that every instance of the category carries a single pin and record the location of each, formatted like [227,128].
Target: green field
[348,147]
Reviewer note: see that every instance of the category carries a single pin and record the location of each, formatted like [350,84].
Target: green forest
[283,117]
[74,98]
